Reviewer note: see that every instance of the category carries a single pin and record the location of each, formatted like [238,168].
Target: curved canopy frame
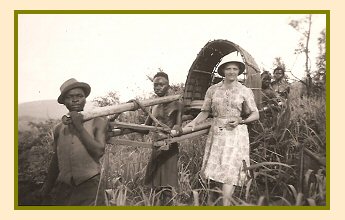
[202,73]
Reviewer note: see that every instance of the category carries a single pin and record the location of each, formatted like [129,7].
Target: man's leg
[61,194]
[88,193]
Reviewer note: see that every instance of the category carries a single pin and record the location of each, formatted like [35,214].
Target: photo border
[18,12]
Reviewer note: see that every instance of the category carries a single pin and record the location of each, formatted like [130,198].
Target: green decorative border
[18,12]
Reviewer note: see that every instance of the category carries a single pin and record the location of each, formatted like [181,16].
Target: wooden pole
[158,143]
[123,125]
[127,129]
[130,106]
[186,134]
[181,138]
[188,130]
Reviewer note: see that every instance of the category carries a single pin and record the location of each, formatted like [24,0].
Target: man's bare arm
[94,145]
[177,127]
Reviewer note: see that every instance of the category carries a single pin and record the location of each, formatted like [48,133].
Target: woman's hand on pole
[191,125]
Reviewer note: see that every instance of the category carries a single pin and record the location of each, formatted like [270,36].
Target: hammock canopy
[202,74]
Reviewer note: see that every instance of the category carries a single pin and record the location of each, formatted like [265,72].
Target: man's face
[75,100]
[278,74]
[160,86]
[266,81]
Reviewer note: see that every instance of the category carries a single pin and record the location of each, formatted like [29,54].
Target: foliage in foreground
[281,173]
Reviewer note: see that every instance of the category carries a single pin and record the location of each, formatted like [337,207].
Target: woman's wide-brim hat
[234,57]
[72,84]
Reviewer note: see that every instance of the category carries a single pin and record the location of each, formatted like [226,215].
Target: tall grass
[280,171]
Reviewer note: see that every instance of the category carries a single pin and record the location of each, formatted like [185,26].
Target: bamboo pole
[187,133]
[188,130]
[122,125]
[119,132]
[181,138]
[130,106]
[127,130]
[161,142]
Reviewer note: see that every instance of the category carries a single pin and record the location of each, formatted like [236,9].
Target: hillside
[44,109]
[39,111]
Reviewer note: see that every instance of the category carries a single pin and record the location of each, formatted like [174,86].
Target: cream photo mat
[7,208]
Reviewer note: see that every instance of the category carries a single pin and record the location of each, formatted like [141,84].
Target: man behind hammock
[73,177]
[162,172]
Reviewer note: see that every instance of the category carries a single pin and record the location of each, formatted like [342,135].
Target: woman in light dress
[227,144]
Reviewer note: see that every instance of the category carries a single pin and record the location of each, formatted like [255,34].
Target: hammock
[202,74]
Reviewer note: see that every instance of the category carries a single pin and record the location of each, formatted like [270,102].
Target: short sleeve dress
[226,147]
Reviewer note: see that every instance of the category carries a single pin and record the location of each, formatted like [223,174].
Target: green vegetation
[287,162]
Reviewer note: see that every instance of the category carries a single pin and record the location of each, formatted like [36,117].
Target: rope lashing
[168,129]
[137,103]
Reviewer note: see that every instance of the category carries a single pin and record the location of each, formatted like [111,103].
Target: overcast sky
[116,52]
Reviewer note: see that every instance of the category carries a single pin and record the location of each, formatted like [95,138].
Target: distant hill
[39,111]
[44,109]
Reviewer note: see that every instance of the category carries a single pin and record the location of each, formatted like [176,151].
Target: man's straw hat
[71,84]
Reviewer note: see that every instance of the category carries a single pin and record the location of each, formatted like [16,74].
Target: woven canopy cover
[202,73]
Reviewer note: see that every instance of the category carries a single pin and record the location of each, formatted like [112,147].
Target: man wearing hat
[74,173]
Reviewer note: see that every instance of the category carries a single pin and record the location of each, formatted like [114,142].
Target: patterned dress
[226,147]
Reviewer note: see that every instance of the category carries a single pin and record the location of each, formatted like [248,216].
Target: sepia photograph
[172,109]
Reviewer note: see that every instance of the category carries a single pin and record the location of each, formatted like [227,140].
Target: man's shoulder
[57,127]
[286,83]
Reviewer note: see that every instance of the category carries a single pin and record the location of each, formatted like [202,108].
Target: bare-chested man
[161,173]
[74,172]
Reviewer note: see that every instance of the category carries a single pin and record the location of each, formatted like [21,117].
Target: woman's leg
[228,190]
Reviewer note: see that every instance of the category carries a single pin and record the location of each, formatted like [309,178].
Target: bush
[281,172]
[34,154]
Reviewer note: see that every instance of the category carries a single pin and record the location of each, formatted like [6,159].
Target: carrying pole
[130,106]
[188,130]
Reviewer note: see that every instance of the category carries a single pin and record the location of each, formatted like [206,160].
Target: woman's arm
[254,112]
[199,118]
[254,115]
